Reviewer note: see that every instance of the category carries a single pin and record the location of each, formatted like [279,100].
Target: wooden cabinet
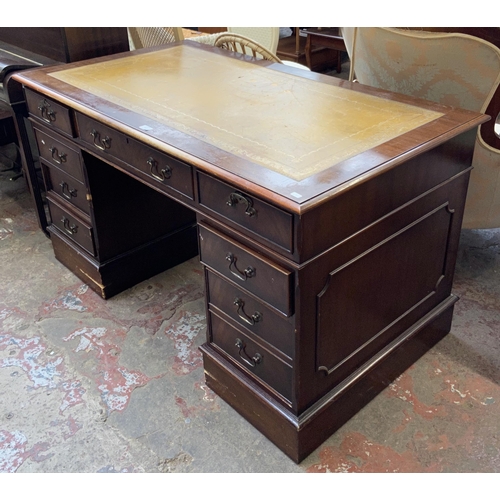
[96,228]
[67,44]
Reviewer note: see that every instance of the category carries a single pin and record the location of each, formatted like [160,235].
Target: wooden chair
[245,45]
[151,37]
[267,37]
[450,68]
[209,38]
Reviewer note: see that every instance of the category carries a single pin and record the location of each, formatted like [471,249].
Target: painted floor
[88,385]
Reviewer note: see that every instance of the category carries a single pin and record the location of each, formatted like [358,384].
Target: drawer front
[252,214]
[257,275]
[72,190]
[57,153]
[50,112]
[72,227]
[162,170]
[250,313]
[253,357]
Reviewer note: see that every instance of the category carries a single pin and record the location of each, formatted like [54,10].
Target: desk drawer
[250,313]
[160,168]
[50,112]
[254,273]
[72,190]
[71,226]
[57,153]
[254,358]
[249,212]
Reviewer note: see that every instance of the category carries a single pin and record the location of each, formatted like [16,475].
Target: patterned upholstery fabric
[151,37]
[482,208]
[450,68]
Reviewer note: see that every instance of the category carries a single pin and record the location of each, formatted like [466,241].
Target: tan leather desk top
[291,125]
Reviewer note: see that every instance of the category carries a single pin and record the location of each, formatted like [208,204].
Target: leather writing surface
[291,125]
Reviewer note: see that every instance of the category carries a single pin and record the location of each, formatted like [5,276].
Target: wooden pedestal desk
[326,214]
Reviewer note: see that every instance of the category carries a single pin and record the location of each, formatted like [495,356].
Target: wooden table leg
[308,51]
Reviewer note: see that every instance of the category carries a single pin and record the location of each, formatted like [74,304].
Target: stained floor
[88,385]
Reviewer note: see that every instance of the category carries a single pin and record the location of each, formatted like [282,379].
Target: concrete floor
[88,385]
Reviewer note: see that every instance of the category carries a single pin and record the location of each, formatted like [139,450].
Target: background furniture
[319,288]
[292,48]
[330,38]
[153,36]
[8,136]
[450,68]
[244,45]
[267,37]
[252,41]
[491,35]
[22,48]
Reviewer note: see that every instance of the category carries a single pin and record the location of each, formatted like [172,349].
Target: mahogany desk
[326,214]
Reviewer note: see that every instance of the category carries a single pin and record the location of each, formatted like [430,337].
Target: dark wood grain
[274,225]
[349,285]
[67,44]
[50,113]
[259,276]
[166,172]
[66,187]
[60,153]
[277,189]
[232,301]
[72,226]
[119,226]
[266,369]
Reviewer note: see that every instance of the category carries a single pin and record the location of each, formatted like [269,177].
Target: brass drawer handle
[161,175]
[58,157]
[70,229]
[48,115]
[249,272]
[99,143]
[67,192]
[235,198]
[250,361]
[251,320]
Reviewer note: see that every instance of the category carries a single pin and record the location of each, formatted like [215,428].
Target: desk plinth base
[126,270]
[299,436]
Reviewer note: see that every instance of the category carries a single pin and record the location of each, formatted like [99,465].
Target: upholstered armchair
[450,68]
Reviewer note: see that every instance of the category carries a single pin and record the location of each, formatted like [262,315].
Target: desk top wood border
[248,175]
